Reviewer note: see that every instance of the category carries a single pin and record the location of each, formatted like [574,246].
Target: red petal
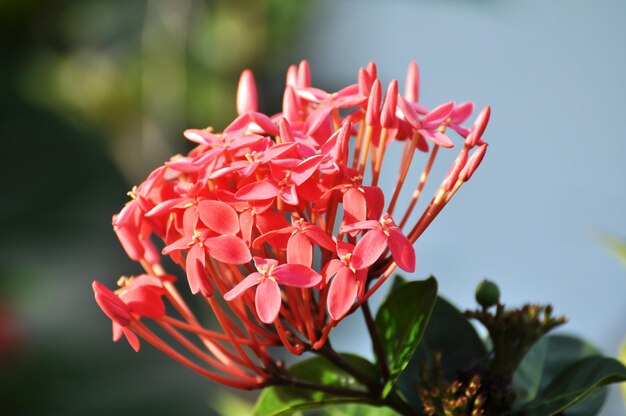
[245,284]
[355,209]
[132,339]
[111,304]
[319,237]
[257,191]
[305,169]
[246,221]
[219,216]
[145,302]
[130,241]
[296,275]
[196,270]
[267,301]
[299,250]
[331,268]
[369,248]
[228,249]
[402,251]
[341,294]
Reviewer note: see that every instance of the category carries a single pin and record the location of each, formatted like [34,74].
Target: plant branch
[381,359]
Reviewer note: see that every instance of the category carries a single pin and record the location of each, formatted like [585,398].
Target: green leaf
[573,384]
[450,333]
[282,400]
[547,358]
[401,321]
[356,409]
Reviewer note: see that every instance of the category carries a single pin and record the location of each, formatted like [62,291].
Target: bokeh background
[95,94]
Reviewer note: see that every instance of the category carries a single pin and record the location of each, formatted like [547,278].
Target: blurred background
[94,95]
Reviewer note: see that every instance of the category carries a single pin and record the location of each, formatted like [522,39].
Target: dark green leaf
[287,400]
[547,358]
[451,334]
[573,384]
[401,321]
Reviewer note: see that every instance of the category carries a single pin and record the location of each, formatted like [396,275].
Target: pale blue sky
[554,175]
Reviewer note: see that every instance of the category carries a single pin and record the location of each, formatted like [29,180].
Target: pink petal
[317,118]
[180,244]
[131,338]
[264,122]
[361,225]
[200,136]
[341,294]
[305,169]
[331,268]
[375,201]
[289,195]
[228,249]
[319,237]
[260,240]
[238,126]
[296,275]
[246,221]
[354,205]
[219,216]
[251,280]
[145,301]
[462,112]
[369,248]
[257,191]
[402,251]
[299,250]
[197,274]
[111,304]
[409,113]
[267,301]
[438,115]
[130,241]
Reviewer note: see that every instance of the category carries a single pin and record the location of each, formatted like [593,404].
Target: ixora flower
[279,224]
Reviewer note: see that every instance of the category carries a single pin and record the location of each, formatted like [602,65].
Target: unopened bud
[412,87]
[388,115]
[373,104]
[479,127]
[247,99]
[487,293]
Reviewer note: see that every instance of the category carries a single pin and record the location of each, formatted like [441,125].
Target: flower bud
[487,293]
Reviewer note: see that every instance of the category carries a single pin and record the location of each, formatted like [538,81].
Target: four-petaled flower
[267,277]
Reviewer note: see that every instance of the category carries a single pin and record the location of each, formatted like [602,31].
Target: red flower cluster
[279,223]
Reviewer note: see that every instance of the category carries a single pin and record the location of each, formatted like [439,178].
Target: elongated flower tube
[278,223]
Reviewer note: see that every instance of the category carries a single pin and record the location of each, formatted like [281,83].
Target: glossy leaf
[282,400]
[356,409]
[401,321]
[573,384]
[547,358]
[453,336]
